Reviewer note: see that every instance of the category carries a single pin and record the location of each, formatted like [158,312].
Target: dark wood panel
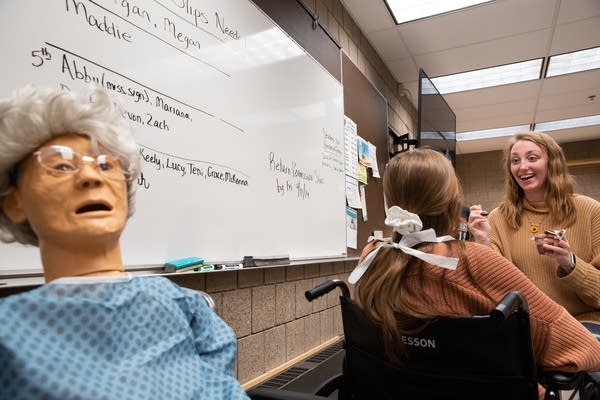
[297,21]
[368,109]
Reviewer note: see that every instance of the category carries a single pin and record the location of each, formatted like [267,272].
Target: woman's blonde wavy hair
[559,183]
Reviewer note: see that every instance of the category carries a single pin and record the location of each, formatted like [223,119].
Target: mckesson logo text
[418,342]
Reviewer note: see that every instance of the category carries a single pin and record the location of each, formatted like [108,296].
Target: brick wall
[267,309]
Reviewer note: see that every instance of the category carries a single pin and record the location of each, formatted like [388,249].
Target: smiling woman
[539,197]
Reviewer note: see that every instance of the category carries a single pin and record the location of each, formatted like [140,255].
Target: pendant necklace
[534,227]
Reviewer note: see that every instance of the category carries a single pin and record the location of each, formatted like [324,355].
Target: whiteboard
[240,130]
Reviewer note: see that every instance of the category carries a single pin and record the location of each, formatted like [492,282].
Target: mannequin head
[32,118]
[67,178]
[67,196]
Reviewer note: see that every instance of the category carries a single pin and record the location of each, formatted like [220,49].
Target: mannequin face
[69,208]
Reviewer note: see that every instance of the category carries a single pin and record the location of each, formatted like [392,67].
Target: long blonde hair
[559,183]
[423,182]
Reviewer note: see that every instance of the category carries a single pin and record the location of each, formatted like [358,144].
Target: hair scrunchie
[409,225]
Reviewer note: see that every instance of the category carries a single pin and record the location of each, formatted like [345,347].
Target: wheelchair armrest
[563,380]
[508,303]
[279,394]
[326,287]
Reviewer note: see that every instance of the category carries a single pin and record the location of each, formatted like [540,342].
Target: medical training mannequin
[67,182]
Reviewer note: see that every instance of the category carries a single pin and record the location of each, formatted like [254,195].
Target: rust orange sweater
[560,342]
[579,291]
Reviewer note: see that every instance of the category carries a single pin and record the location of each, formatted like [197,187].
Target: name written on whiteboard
[103,24]
[80,71]
[133,10]
[300,182]
[189,168]
[97,18]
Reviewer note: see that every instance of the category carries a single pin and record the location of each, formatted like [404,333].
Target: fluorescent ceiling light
[438,135]
[540,127]
[568,123]
[410,10]
[487,77]
[490,133]
[576,61]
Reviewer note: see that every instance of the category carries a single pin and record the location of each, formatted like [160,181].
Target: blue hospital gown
[116,338]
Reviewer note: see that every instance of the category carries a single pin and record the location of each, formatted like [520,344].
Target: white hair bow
[409,225]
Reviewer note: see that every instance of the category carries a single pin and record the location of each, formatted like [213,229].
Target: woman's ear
[13,208]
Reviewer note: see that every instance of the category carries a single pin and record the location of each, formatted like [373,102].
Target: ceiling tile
[576,135]
[370,16]
[388,44]
[477,146]
[498,95]
[573,10]
[576,36]
[568,105]
[579,81]
[527,46]
[404,70]
[559,110]
[478,24]
[518,116]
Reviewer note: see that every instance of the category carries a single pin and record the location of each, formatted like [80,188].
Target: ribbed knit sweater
[579,291]
[559,341]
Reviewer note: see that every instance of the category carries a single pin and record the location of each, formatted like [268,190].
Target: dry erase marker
[231,266]
[191,268]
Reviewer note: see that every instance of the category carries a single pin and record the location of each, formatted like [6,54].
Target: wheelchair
[475,357]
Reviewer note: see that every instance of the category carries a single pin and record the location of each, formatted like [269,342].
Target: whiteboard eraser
[176,265]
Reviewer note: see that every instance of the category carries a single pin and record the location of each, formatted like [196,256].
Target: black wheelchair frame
[475,357]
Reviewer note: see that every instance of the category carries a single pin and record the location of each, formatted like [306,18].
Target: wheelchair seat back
[477,357]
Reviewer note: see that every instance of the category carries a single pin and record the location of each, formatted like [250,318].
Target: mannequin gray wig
[33,116]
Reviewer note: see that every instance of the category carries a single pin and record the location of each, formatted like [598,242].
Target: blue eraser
[184,262]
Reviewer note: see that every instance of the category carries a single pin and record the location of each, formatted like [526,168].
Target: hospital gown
[114,338]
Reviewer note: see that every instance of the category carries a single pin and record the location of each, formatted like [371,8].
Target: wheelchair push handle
[326,287]
[506,306]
